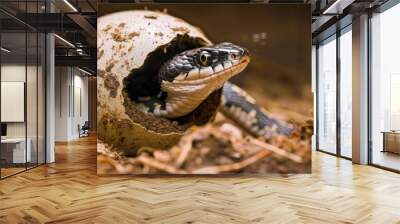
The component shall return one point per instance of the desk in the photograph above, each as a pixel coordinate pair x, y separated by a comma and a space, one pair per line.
13, 150
391, 141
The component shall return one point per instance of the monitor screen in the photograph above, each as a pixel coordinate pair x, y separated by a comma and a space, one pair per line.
3, 129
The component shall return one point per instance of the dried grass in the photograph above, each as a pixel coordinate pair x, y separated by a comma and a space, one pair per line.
217, 148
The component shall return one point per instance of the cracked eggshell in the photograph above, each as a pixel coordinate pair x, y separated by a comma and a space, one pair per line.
124, 39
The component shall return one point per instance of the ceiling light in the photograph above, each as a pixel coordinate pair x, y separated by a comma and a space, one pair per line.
84, 71
65, 41
338, 6
5, 50
79, 51
70, 5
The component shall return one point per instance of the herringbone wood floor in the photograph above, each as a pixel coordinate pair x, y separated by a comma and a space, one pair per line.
70, 192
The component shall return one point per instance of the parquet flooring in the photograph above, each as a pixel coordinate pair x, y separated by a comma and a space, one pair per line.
69, 191
10, 171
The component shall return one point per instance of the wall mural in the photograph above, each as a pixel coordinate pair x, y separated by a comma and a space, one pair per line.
204, 89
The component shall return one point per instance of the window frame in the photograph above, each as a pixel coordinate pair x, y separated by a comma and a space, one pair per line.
336, 35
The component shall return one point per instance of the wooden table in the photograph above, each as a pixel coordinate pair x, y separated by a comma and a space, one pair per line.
391, 141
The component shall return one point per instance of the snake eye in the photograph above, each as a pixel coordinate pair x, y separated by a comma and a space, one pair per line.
234, 56
204, 58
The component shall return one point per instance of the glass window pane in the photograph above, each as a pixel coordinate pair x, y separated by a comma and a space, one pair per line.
31, 97
22, 85
346, 94
385, 86
327, 96
13, 85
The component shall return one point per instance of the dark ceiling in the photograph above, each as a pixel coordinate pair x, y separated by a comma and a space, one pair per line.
75, 21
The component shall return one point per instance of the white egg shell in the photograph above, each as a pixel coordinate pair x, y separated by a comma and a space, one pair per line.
124, 39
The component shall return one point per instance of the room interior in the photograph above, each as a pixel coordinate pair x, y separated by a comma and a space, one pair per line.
334, 92
48, 94
22, 105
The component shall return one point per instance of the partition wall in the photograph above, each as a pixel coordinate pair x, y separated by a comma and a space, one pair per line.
22, 77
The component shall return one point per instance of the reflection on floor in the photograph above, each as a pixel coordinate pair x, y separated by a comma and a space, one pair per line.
10, 169
69, 191
387, 159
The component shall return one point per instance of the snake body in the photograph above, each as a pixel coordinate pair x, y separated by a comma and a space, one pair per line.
197, 78
242, 108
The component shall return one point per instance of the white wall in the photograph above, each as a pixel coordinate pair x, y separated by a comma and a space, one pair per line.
71, 102
16, 73
80, 96
61, 103
11, 73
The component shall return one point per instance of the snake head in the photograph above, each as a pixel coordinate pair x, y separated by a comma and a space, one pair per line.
191, 76
223, 60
